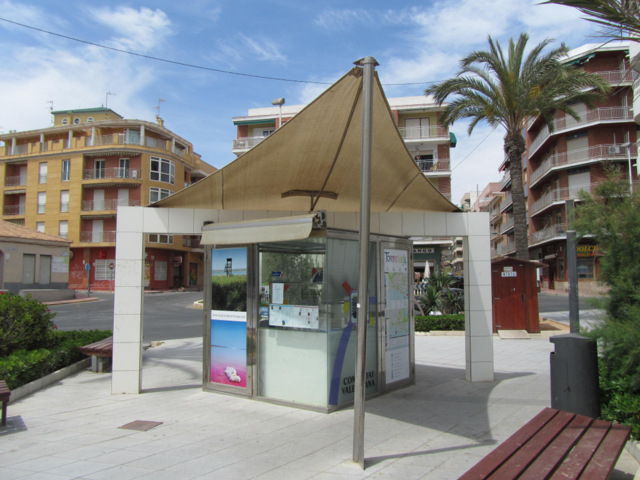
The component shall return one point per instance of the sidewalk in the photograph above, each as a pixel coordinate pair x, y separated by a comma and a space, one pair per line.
436, 429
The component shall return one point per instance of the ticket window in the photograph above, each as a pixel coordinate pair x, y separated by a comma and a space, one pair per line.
306, 333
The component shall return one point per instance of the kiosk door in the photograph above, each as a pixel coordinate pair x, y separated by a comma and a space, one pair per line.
228, 334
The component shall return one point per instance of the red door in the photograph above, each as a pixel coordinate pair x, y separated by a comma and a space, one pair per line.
508, 289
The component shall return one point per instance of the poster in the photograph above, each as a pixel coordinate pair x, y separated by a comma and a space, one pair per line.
397, 314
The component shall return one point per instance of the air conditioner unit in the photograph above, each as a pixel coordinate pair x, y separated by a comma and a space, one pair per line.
134, 174
613, 149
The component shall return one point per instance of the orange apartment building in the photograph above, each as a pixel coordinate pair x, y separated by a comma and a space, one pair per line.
69, 179
571, 157
427, 141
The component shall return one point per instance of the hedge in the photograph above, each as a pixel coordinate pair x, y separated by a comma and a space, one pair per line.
426, 323
24, 366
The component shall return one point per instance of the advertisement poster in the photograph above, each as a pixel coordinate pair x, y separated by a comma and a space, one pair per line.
397, 315
229, 317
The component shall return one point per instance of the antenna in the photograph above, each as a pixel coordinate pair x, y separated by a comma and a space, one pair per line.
106, 98
50, 102
157, 107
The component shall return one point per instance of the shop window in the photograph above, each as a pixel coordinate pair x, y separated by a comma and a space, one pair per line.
585, 268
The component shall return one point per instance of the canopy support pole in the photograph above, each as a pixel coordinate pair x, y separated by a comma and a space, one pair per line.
369, 64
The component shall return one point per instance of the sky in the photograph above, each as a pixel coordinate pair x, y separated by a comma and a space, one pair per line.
301, 47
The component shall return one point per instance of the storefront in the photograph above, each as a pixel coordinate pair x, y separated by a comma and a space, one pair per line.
283, 317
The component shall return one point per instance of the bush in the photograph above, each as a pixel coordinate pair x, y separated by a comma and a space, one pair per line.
426, 323
25, 324
24, 366
229, 294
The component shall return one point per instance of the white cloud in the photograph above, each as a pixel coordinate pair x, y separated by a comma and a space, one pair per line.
141, 29
341, 19
265, 49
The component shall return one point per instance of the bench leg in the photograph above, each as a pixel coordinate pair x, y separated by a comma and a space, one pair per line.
4, 414
100, 364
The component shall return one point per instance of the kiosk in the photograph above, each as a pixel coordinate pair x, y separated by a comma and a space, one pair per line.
283, 319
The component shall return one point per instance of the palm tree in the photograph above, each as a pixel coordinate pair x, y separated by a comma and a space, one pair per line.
620, 18
506, 91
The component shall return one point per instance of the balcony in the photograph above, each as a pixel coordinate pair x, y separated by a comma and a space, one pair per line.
115, 173
506, 179
434, 166
15, 181
617, 77
564, 124
246, 143
102, 205
558, 196
506, 249
507, 201
549, 233
507, 225
437, 133
13, 210
98, 237
594, 154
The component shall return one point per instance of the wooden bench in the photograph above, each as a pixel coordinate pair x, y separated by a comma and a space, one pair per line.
555, 444
5, 395
100, 353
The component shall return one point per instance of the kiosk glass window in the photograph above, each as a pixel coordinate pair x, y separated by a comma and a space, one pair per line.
306, 334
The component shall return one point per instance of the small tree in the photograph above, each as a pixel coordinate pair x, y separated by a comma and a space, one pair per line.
25, 323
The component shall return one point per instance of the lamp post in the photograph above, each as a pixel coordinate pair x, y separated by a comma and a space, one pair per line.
627, 145
279, 102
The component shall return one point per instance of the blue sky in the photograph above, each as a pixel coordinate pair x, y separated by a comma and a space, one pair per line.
310, 42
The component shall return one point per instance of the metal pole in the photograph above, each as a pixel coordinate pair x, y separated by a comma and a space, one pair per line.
368, 64
572, 266
630, 169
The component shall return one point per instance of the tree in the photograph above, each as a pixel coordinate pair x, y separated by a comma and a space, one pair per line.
506, 91
619, 18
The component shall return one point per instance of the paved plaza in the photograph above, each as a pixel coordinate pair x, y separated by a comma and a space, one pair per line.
436, 429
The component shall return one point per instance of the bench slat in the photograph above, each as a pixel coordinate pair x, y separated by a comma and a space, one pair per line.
600, 465
554, 454
101, 348
579, 457
502, 452
519, 462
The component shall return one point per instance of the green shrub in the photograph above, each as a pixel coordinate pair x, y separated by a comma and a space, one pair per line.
24, 366
426, 323
617, 402
25, 324
229, 294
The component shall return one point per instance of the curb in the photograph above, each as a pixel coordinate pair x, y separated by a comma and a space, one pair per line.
31, 387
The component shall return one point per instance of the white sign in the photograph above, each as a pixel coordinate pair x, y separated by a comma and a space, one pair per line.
509, 274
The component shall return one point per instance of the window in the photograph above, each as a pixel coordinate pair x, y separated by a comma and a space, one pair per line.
104, 270
64, 201
66, 170
63, 229
162, 170
42, 173
156, 194
160, 270
40, 227
90, 120
98, 168
123, 168
158, 238
76, 121
44, 271
42, 201
585, 268
65, 121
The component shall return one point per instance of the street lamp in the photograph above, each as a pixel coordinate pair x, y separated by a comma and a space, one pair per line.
627, 145
279, 102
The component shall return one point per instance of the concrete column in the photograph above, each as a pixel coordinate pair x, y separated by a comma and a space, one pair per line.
13, 145
142, 134
477, 299
93, 136
128, 302
70, 138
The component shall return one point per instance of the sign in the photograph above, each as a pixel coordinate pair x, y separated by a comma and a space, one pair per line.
87, 266
424, 250
111, 266
587, 250
509, 274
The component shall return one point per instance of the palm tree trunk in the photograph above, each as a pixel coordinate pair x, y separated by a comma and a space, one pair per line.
514, 148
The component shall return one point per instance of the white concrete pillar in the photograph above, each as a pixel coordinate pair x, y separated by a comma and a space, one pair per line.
128, 302
142, 134
70, 139
477, 299
93, 136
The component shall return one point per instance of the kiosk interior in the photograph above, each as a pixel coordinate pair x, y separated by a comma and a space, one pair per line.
283, 319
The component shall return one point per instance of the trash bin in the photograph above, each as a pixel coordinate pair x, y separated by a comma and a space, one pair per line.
574, 375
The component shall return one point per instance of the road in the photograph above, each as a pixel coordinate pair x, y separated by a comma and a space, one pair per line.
167, 315
556, 307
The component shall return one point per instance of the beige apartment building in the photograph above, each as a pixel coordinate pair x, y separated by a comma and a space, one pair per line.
69, 179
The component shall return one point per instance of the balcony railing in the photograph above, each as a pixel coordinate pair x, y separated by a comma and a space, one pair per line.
506, 249
507, 201
15, 181
505, 179
548, 233
190, 242
116, 172
246, 143
97, 237
507, 225
616, 77
13, 210
437, 132
102, 205
563, 124
430, 166
559, 195
591, 154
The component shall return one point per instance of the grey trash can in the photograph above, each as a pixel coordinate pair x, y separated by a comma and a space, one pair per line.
574, 375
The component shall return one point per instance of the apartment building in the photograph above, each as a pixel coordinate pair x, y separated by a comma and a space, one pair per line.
427, 141
571, 157
69, 179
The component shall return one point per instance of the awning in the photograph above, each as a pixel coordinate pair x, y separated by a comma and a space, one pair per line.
452, 139
257, 231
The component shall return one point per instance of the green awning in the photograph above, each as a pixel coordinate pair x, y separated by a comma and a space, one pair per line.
452, 139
